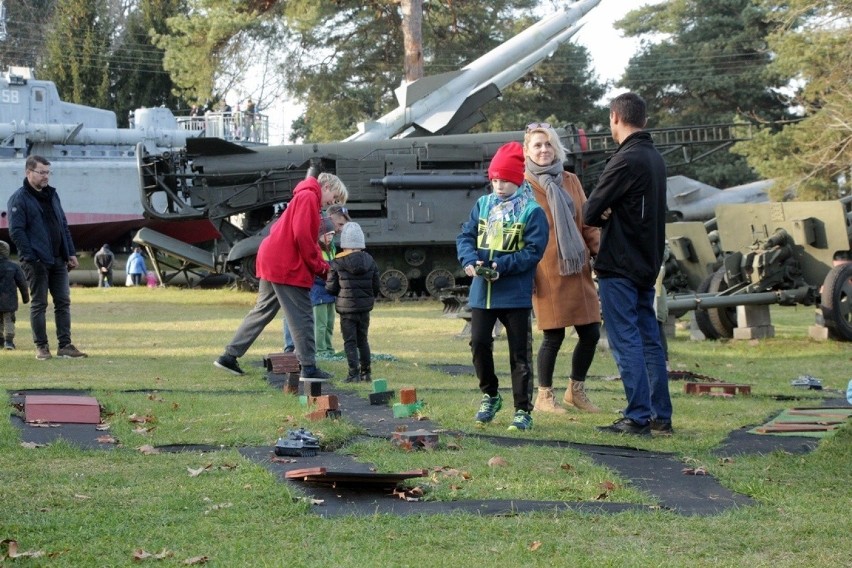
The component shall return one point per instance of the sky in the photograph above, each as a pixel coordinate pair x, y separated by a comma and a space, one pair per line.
609, 50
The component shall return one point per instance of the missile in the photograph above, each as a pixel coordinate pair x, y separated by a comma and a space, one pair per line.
432, 104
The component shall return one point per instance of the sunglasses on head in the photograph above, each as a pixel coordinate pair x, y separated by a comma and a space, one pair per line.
537, 125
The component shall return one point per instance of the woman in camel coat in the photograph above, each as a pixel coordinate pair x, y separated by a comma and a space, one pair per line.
564, 293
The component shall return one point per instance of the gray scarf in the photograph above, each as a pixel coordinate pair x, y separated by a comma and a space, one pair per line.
570, 246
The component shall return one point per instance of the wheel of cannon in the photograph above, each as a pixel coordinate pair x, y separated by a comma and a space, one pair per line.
702, 318
393, 284
835, 301
439, 280
249, 272
723, 320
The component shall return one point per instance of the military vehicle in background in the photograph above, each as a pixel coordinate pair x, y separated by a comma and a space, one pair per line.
412, 175
759, 254
691, 200
94, 162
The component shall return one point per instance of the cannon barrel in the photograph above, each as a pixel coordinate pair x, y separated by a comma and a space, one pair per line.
802, 295
432, 181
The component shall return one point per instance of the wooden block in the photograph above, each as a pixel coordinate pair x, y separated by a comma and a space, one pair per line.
324, 402
281, 363
381, 398
315, 415
407, 396
62, 409
729, 389
380, 385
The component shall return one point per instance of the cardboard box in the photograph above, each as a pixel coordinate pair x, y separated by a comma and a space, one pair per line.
62, 409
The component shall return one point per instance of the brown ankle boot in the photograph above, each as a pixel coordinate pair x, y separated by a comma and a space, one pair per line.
546, 402
575, 395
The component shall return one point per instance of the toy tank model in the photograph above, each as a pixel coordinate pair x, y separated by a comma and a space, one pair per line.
298, 443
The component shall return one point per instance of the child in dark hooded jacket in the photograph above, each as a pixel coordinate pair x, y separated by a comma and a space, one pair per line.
12, 280
354, 279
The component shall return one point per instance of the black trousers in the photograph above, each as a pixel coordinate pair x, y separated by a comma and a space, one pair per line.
588, 336
518, 332
354, 328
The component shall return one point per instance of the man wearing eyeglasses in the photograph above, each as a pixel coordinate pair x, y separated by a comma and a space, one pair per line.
39, 229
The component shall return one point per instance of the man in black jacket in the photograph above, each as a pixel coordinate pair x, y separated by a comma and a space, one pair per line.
354, 279
629, 204
38, 226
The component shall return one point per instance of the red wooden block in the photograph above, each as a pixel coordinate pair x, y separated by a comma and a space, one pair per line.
407, 396
62, 409
316, 415
324, 402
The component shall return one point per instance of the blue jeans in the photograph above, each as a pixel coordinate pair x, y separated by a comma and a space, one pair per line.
634, 339
42, 279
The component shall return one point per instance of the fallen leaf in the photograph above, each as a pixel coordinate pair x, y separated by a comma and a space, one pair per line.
106, 440
81, 497
136, 419
156, 398
140, 555
536, 544
143, 429
31, 445
148, 450
12, 550
608, 486
102, 427
401, 428
694, 471
175, 406
497, 461
567, 467
453, 446
196, 560
199, 471
276, 459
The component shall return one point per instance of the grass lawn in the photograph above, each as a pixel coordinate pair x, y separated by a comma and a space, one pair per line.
151, 354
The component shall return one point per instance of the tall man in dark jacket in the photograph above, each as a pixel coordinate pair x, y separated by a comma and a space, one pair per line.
39, 229
354, 279
629, 203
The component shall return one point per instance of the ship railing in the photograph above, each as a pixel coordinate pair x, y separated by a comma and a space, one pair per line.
240, 127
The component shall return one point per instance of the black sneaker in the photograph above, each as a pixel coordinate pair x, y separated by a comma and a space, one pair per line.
315, 373
352, 378
9, 345
661, 427
627, 426
229, 363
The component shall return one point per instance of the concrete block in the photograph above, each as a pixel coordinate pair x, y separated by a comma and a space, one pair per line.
381, 398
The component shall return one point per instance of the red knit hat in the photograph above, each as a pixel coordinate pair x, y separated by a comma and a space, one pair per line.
508, 163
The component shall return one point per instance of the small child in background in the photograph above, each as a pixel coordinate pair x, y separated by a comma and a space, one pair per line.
12, 280
354, 279
322, 301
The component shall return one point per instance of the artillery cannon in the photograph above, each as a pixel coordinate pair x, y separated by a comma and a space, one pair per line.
794, 253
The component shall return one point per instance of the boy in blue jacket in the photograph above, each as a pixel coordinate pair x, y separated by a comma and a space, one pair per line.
499, 247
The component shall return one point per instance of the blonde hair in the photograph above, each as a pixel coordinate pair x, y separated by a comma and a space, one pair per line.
333, 183
558, 148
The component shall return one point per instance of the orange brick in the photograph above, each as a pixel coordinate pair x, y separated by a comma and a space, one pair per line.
324, 402
315, 415
407, 396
